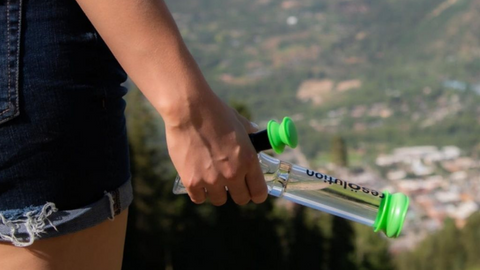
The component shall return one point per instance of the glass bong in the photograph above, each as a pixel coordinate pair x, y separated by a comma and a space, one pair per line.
381, 210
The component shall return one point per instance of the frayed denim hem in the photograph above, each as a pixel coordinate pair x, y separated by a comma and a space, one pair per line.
22, 227
33, 222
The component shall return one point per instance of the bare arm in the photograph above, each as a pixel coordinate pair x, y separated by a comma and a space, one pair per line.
207, 140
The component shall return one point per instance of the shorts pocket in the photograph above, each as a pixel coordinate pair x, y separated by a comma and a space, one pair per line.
10, 33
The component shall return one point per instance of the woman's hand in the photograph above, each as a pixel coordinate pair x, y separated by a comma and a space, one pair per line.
211, 150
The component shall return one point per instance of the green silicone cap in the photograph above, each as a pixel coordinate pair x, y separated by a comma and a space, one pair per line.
282, 134
391, 214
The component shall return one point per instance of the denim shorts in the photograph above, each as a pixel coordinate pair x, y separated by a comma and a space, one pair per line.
64, 160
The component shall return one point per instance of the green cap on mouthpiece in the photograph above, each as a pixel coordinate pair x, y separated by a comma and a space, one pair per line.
282, 134
391, 214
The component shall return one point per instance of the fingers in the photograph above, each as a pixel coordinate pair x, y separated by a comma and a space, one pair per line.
232, 164
217, 195
256, 183
253, 187
197, 195
199, 190
239, 191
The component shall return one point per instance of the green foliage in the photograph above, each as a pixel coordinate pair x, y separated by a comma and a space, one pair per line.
341, 248
471, 241
306, 247
149, 219
371, 250
397, 49
405, 55
450, 248
169, 232
339, 152
242, 109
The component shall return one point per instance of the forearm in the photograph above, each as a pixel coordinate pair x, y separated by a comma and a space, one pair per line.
145, 40
207, 140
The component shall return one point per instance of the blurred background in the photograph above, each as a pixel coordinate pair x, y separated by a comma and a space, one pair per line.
384, 93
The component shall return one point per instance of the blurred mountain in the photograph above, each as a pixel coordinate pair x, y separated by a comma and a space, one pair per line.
379, 73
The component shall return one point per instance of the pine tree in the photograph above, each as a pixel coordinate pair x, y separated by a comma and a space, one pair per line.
441, 250
451, 255
471, 241
306, 248
371, 250
341, 252
339, 152
152, 174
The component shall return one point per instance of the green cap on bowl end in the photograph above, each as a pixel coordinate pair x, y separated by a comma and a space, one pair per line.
391, 214
282, 134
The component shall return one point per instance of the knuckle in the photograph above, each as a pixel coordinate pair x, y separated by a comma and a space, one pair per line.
193, 183
230, 174
189, 185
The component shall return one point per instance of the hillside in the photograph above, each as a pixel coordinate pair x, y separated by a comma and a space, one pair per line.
380, 73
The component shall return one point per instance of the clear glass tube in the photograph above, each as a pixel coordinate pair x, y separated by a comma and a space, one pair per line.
316, 190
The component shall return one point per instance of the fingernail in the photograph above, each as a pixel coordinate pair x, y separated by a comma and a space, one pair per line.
255, 126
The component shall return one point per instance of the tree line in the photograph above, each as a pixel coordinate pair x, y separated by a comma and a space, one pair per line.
168, 231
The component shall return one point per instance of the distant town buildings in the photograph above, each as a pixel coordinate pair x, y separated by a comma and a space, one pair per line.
440, 182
